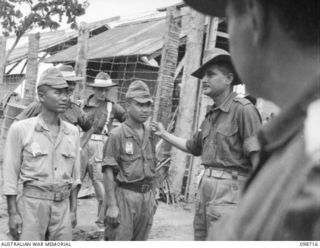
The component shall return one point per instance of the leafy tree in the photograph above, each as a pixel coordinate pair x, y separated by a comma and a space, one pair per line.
21, 16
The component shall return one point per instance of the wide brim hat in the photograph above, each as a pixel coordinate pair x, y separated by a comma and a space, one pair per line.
209, 7
216, 56
103, 80
68, 73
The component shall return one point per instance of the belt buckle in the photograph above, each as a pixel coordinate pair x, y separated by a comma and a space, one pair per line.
217, 173
58, 196
145, 188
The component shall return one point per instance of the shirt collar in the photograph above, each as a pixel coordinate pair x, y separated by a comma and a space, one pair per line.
280, 130
129, 131
41, 126
225, 105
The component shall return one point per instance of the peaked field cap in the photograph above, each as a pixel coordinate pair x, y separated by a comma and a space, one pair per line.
53, 77
68, 73
139, 91
209, 7
216, 56
103, 80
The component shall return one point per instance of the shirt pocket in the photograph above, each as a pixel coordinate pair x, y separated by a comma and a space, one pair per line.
34, 152
227, 137
68, 155
131, 166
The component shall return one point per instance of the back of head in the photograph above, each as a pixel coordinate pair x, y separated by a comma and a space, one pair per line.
298, 18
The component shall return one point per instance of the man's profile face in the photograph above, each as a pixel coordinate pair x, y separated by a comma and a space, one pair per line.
214, 81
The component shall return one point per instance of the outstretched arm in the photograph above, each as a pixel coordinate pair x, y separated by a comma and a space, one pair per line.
159, 130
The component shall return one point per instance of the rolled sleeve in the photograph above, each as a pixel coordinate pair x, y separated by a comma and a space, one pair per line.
12, 161
111, 152
83, 121
250, 123
119, 113
194, 145
77, 168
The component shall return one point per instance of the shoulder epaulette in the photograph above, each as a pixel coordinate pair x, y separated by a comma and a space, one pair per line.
242, 100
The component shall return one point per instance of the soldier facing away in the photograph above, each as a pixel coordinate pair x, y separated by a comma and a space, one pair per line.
43, 153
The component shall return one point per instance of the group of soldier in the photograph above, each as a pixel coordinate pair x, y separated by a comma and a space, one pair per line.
256, 183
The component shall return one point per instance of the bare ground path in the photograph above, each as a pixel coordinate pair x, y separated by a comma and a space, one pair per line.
170, 222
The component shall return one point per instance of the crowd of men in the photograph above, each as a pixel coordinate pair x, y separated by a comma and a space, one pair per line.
258, 183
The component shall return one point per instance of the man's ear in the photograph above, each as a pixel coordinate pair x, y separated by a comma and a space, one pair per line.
259, 21
230, 78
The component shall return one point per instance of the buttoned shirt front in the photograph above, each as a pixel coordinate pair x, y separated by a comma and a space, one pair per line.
227, 136
34, 158
133, 159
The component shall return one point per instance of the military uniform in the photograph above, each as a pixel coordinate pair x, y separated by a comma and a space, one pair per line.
48, 166
73, 114
93, 150
224, 141
282, 198
133, 161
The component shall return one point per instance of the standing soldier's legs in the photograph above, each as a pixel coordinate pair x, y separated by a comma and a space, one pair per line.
136, 216
35, 214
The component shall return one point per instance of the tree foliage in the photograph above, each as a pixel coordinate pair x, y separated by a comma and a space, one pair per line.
20, 16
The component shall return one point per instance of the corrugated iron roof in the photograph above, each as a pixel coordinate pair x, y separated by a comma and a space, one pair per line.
50, 39
139, 38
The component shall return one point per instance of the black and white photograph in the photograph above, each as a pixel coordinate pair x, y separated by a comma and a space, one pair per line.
160, 120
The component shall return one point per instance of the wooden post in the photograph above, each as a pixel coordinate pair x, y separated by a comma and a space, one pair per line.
3, 43
81, 60
32, 69
165, 83
205, 101
188, 98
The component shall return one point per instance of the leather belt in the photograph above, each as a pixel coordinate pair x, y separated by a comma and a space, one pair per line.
98, 137
139, 187
35, 192
224, 174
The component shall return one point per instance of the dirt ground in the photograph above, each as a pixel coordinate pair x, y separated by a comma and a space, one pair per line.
170, 222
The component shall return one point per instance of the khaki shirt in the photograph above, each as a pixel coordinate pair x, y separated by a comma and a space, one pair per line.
95, 112
282, 198
227, 136
32, 157
132, 159
73, 114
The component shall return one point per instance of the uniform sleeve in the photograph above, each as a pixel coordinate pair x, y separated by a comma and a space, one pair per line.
76, 173
194, 145
32, 110
249, 125
83, 120
111, 152
119, 112
12, 161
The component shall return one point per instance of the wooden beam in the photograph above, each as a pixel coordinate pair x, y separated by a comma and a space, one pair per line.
3, 44
178, 6
32, 69
165, 82
188, 97
81, 60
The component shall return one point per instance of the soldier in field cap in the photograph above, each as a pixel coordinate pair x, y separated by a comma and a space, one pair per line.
101, 112
73, 114
275, 49
225, 141
43, 153
128, 165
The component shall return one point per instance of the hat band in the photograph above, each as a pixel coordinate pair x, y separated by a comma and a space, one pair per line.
107, 82
68, 73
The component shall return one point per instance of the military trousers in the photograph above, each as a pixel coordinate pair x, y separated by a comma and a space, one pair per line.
45, 219
136, 216
216, 201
